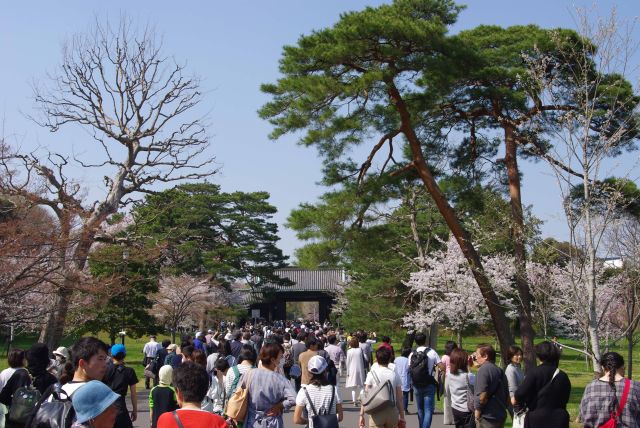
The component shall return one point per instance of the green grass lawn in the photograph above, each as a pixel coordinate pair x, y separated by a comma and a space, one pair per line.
572, 362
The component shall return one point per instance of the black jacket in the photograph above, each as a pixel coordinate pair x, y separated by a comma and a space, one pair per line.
547, 407
17, 380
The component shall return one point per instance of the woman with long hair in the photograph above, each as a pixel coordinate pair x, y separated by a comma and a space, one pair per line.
603, 397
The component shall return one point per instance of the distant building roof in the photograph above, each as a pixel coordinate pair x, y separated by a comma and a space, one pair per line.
304, 281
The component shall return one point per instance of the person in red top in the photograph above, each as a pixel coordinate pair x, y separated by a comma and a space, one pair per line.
386, 343
191, 383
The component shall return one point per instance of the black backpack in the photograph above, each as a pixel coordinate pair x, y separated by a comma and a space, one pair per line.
419, 369
57, 413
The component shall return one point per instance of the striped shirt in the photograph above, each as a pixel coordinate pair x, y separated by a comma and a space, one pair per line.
320, 397
597, 404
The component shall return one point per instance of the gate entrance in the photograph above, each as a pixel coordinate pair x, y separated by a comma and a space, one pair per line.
310, 297
303, 311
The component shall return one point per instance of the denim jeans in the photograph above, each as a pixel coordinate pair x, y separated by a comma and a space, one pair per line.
405, 400
425, 401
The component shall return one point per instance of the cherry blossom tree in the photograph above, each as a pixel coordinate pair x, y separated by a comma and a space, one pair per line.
447, 292
182, 300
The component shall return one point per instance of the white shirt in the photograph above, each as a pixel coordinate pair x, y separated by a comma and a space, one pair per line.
150, 349
321, 398
384, 374
5, 375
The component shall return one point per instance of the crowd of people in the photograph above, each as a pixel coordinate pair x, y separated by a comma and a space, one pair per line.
248, 377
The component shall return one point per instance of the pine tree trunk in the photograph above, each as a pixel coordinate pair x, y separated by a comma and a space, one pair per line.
517, 227
497, 311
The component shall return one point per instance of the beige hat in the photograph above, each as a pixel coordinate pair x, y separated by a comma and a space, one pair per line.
63, 352
172, 347
164, 376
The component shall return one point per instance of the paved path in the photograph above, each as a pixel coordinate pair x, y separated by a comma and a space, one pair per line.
350, 414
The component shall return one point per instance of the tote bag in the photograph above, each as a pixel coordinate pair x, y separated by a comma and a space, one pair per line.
378, 398
239, 402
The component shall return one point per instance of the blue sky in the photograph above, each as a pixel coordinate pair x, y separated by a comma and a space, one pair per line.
234, 46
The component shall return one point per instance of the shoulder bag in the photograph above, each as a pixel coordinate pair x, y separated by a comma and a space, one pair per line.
381, 397
470, 396
615, 416
324, 419
239, 402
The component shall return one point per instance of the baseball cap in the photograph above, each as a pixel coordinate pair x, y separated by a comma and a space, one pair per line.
317, 364
118, 348
92, 399
172, 347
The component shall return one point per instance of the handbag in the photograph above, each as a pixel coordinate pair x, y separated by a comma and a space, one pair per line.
295, 371
470, 396
382, 397
325, 419
520, 416
239, 402
612, 422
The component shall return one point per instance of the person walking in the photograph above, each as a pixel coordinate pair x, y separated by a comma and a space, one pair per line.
319, 397
612, 394
312, 350
62, 356
12, 378
297, 349
94, 406
269, 392
491, 390
365, 346
545, 390
247, 361
172, 356
402, 368
149, 352
37, 364
389, 417
458, 381
162, 398
355, 369
119, 378
336, 354
191, 383
422, 365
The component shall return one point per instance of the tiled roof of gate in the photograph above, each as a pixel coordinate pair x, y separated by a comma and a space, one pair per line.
317, 280
323, 280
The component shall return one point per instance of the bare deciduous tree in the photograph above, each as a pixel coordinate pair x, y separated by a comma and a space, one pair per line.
138, 106
601, 125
